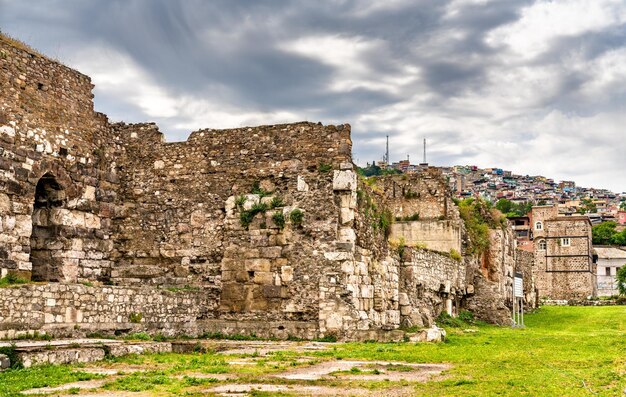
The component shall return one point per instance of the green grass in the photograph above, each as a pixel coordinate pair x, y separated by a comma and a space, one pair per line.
563, 351
14, 381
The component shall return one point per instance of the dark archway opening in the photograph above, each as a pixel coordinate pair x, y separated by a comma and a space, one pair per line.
45, 241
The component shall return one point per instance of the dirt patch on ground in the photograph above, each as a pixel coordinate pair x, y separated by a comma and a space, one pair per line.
83, 385
299, 390
366, 370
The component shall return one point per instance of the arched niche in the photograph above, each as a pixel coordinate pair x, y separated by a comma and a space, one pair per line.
47, 243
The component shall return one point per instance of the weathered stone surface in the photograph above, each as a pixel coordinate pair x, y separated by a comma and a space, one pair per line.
5, 362
235, 228
432, 334
344, 180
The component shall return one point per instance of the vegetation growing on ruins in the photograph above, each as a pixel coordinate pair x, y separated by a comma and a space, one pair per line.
277, 201
379, 219
374, 170
296, 217
324, 167
456, 255
279, 219
257, 189
135, 317
409, 218
11, 279
479, 217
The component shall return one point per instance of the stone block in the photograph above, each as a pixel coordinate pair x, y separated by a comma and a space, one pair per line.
337, 255
251, 200
403, 298
272, 291
302, 186
433, 334
264, 278
89, 193
348, 200
346, 215
5, 204
257, 265
346, 166
5, 362
286, 274
347, 235
344, 180
270, 252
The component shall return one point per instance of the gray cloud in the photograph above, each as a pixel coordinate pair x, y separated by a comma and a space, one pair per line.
487, 82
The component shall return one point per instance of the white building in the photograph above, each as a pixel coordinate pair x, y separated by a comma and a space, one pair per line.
610, 259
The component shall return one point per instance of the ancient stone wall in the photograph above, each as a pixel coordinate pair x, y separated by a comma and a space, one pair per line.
265, 230
437, 235
491, 277
217, 210
430, 284
58, 178
524, 264
78, 310
423, 195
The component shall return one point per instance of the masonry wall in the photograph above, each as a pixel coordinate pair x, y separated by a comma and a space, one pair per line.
48, 127
491, 276
431, 283
265, 230
184, 202
525, 264
562, 271
437, 235
77, 310
424, 194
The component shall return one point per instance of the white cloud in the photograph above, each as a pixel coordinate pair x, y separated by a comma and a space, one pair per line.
349, 57
546, 20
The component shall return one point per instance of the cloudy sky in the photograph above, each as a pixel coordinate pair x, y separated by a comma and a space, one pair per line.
537, 87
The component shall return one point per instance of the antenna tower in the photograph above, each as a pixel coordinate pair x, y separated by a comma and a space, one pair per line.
386, 159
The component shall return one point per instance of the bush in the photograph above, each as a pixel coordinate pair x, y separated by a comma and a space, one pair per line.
240, 201
246, 217
279, 219
478, 218
277, 202
296, 217
11, 279
456, 255
256, 189
324, 168
135, 317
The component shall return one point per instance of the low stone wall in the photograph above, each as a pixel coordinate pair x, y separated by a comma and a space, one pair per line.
75, 309
575, 302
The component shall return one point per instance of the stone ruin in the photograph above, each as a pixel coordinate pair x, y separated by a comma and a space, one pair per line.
266, 230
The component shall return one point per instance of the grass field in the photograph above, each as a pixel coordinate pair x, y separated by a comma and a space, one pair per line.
563, 351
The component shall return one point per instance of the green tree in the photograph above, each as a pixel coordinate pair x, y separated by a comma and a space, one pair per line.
511, 209
619, 238
603, 233
505, 206
621, 280
587, 205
